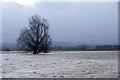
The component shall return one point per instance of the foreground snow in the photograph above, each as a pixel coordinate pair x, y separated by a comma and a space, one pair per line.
65, 64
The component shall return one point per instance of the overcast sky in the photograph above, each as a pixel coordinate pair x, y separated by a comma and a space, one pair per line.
86, 22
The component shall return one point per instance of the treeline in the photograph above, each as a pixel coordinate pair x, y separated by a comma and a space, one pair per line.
80, 47
85, 47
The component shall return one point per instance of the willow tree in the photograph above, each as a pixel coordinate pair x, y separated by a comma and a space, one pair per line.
35, 38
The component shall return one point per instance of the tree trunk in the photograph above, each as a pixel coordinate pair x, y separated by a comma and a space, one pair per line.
35, 51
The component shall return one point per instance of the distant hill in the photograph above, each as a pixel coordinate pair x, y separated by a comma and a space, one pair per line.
56, 43
9, 45
63, 44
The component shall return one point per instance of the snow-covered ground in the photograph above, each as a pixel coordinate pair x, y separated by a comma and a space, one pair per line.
57, 64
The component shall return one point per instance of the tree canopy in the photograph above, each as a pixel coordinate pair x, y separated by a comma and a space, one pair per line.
35, 38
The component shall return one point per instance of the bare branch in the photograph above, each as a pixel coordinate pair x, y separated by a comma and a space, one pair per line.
35, 38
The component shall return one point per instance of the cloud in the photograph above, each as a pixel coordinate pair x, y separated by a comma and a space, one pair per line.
24, 1
53, 6
11, 5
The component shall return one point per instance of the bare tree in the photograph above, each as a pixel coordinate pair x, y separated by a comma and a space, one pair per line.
35, 38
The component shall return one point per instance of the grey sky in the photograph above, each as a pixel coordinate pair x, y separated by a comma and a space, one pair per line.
88, 22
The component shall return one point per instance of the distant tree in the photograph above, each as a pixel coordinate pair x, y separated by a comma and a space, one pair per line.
35, 38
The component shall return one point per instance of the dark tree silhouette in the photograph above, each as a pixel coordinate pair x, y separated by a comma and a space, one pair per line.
35, 38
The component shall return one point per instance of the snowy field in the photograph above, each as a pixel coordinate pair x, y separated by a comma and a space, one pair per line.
57, 64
